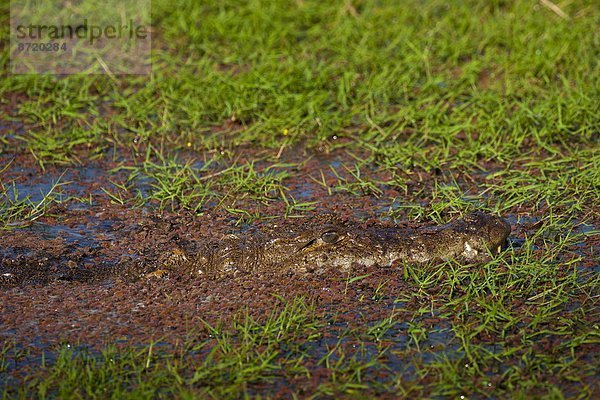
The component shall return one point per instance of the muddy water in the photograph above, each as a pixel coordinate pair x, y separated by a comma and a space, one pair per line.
67, 286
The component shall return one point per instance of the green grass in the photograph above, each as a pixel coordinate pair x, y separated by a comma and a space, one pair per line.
217, 363
419, 75
418, 97
433, 86
18, 211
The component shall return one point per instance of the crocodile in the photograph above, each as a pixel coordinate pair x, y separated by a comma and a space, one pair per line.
475, 238
313, 247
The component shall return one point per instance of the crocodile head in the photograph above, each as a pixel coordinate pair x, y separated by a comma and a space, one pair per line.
340, 245
475, 238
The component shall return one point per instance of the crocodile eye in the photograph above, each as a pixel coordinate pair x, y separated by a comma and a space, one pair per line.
330, 237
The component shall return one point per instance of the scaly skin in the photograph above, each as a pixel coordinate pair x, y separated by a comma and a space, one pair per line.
472, 239
315, 247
